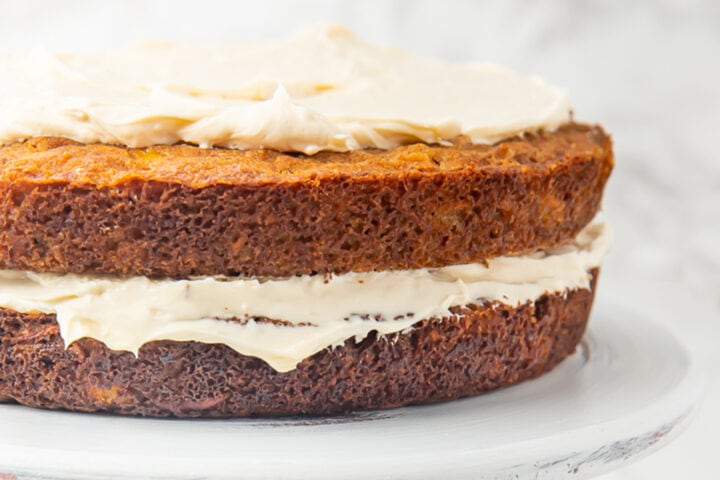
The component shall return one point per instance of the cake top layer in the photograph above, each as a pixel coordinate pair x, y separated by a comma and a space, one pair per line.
321, 90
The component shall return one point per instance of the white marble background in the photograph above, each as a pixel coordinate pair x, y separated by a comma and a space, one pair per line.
649, 71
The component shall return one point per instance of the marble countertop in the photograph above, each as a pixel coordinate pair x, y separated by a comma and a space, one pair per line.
647, 70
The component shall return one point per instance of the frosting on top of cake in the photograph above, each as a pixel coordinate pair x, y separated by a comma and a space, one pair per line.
323, 89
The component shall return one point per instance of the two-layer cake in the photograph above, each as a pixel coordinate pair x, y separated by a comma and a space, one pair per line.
311, 226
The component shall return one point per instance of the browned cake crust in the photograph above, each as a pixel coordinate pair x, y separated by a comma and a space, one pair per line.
180, 210
483, 348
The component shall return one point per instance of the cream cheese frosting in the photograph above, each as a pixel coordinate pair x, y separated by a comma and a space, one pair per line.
321, 90
126, 313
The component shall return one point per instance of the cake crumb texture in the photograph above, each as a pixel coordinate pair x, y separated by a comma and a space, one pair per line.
179, 211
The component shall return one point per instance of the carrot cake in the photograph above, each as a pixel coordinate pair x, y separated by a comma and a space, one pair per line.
309, 226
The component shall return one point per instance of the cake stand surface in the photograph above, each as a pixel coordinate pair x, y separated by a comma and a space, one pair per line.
628, 390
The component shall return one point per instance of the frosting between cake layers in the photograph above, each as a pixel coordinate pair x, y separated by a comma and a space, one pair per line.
126, 313
321, 90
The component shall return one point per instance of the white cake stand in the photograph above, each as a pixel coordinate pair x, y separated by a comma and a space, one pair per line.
628, 391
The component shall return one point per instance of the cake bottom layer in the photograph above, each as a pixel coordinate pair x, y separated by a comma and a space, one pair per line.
481, 348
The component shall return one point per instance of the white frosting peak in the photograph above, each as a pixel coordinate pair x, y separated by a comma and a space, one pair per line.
322, 90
